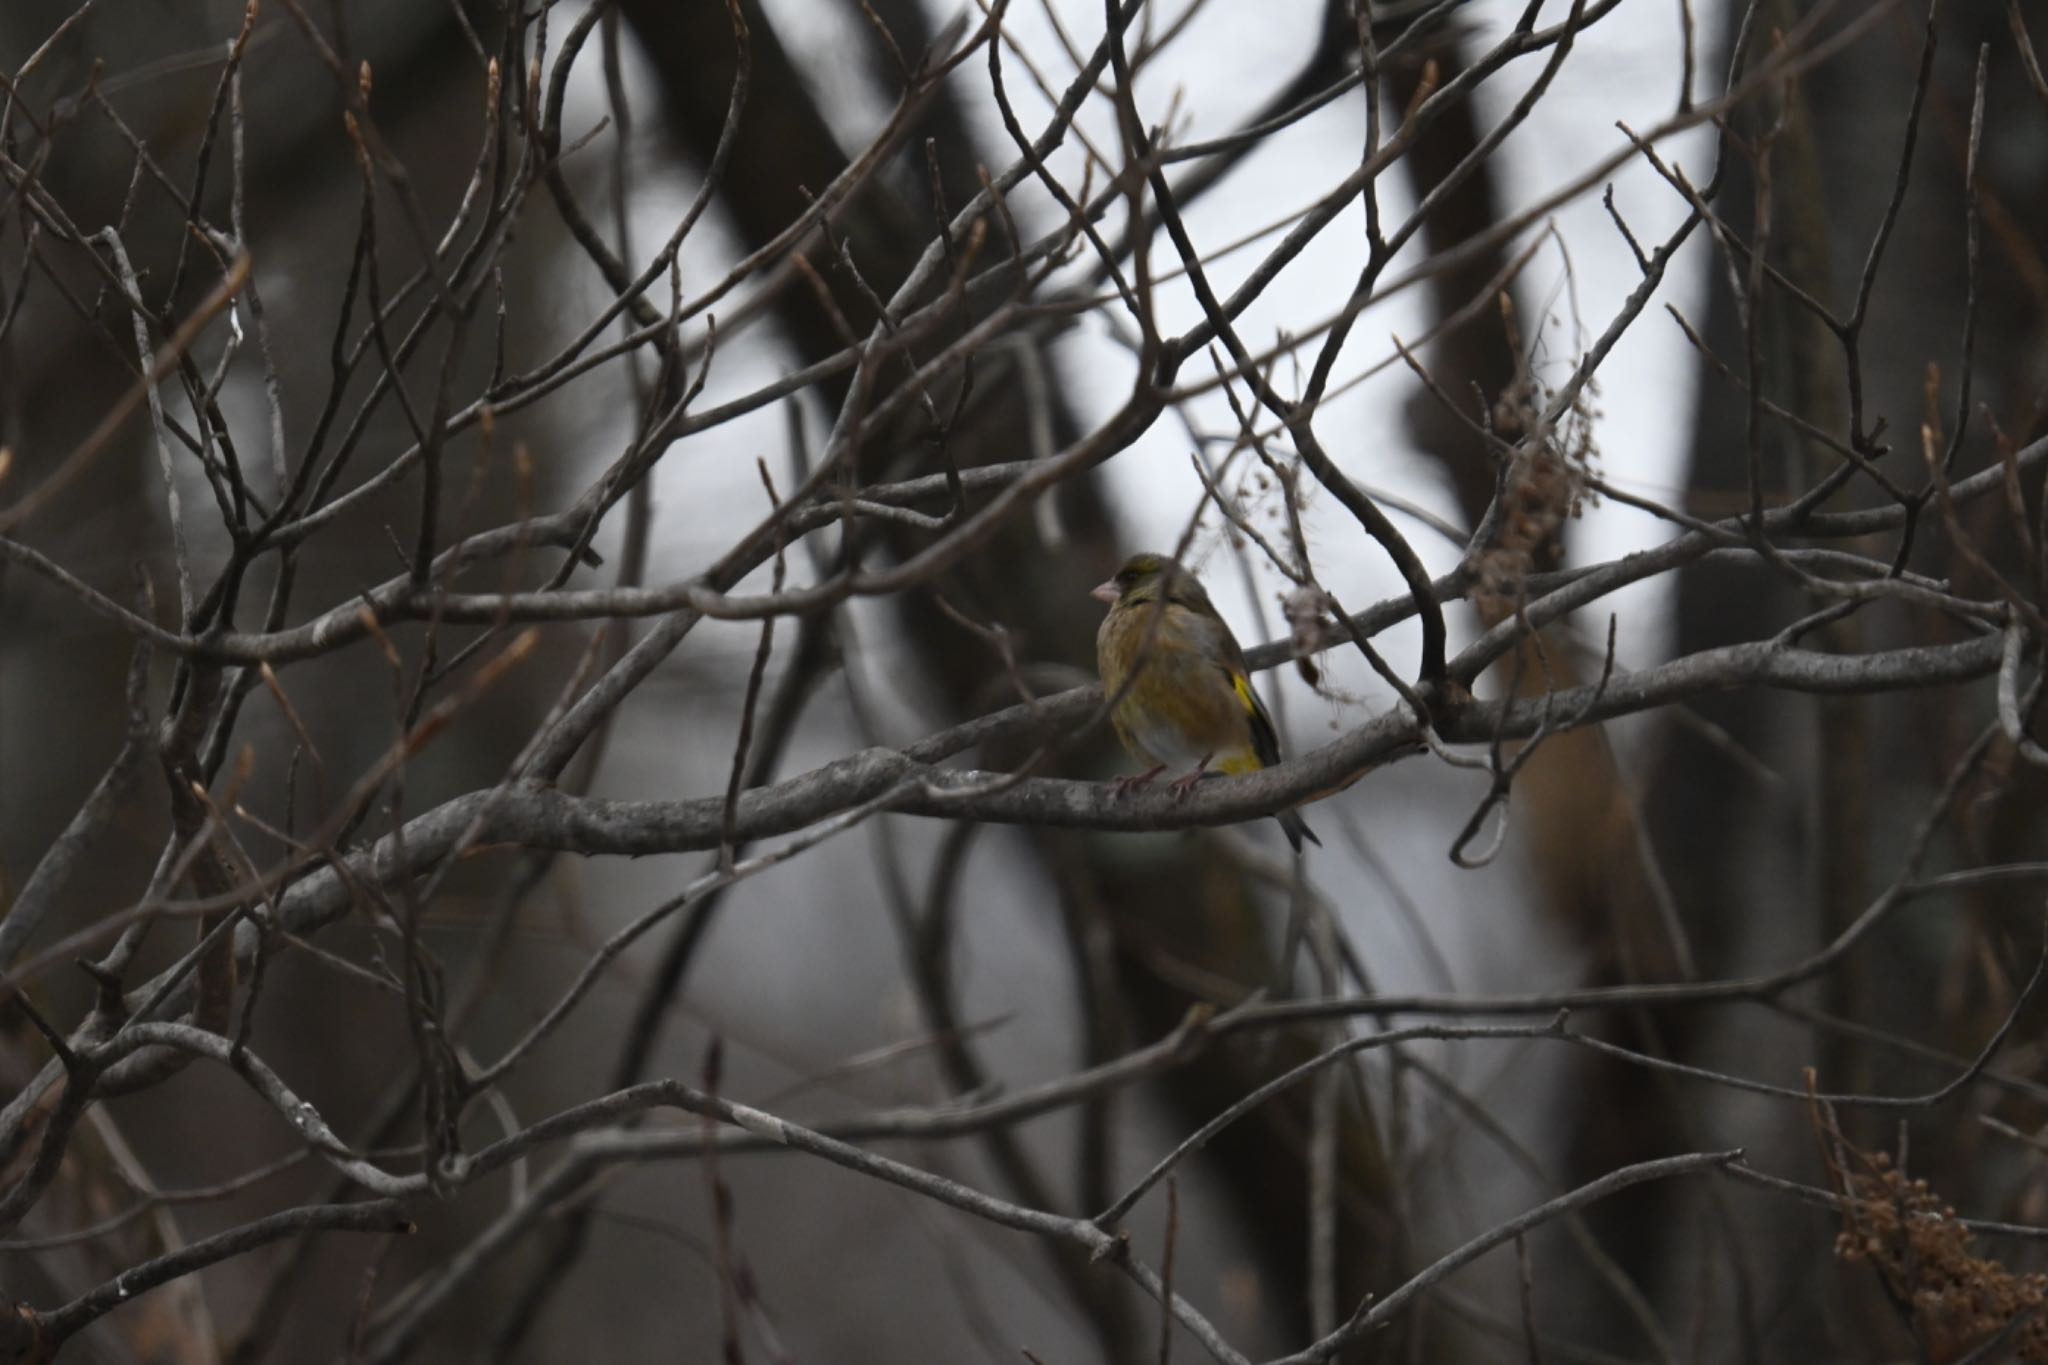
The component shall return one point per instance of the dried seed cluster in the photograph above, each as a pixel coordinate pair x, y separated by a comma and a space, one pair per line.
1546, 486
1955, 1300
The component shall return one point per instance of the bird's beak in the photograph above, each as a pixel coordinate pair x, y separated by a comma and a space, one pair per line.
1105, 592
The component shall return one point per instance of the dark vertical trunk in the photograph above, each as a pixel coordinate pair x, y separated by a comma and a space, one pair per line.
1762, 875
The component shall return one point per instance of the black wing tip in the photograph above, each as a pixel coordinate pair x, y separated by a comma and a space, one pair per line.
1297, 829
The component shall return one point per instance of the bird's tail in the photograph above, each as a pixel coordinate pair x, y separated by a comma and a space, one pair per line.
1297, 829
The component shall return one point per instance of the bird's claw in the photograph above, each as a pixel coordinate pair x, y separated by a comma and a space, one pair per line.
1185, 783
1126, 785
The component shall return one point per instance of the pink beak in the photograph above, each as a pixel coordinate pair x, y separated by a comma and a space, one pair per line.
1105, 592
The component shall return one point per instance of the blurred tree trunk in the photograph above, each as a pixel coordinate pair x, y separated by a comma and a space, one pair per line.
61, 669
1578, 828
1764, 872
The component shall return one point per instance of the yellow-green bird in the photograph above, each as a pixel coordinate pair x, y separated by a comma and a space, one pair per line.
1191, 701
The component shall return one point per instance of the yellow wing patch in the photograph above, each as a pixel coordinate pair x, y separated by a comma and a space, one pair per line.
1244, 692
1265, 743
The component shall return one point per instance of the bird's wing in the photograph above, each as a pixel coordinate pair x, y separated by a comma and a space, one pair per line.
1265, 739
1222, 648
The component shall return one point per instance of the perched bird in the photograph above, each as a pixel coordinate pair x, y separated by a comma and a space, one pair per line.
1191, 701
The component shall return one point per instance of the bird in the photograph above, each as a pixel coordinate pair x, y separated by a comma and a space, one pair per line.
1191, 701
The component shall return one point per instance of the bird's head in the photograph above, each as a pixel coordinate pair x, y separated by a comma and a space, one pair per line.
1142, 578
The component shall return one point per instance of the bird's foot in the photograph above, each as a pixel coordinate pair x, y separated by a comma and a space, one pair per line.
1185, 783
1126, 785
